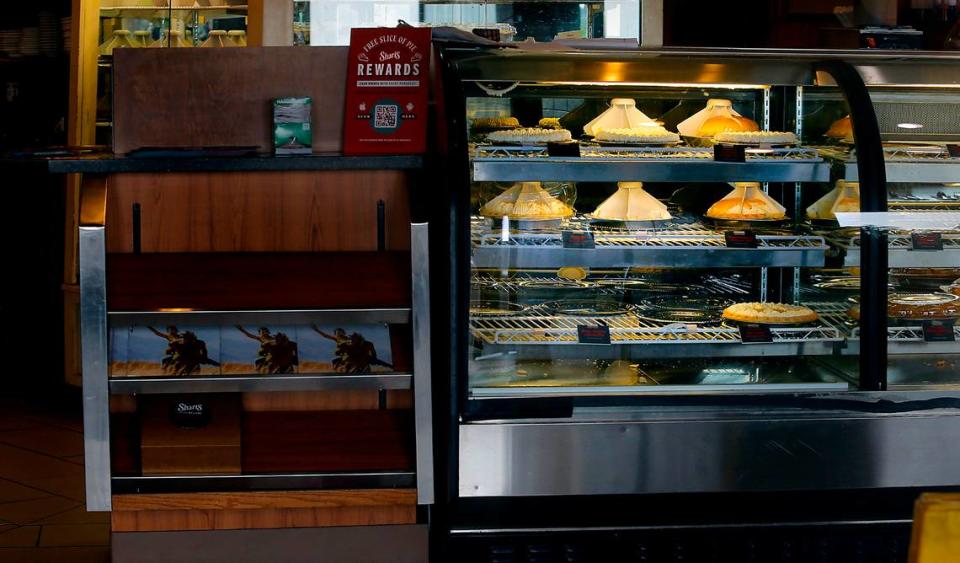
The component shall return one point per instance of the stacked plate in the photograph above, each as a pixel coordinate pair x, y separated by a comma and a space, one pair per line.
10, 42
65, 29
30, 42
49, 37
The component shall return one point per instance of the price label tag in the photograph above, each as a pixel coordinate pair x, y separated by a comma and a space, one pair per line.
578, 239
593, 334
565, 148
729, 153
939, 331
927, 241
754, 333
740, 239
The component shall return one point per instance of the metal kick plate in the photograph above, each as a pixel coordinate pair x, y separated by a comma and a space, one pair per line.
701, 455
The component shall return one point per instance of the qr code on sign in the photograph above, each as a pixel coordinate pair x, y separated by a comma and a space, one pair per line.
385, 117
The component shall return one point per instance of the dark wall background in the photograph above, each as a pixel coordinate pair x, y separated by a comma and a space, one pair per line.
799, 24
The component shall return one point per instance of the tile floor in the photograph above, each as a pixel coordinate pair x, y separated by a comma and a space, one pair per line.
42, 516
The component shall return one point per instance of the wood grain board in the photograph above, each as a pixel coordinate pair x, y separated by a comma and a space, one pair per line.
211, 449
295, 211
321, 441
333, 400
223, 97
263, 509
243, 500
215, 281
193, 519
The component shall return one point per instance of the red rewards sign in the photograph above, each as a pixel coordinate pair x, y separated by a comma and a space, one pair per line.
387, 77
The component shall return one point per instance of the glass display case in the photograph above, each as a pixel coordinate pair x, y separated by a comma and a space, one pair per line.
632, 261
125, 24
653, 249
324, 22
919, 130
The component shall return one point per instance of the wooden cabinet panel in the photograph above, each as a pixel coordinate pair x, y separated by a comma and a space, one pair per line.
320, 441
258, 211
223, 97
193, 519
257, 281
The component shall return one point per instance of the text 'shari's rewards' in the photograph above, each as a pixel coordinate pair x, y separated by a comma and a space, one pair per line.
387, 94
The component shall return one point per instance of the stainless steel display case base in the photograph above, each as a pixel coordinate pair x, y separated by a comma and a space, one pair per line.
370, 544
690, 452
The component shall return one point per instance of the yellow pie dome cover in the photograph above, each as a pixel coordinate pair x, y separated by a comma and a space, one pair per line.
844, 197
527, 201
747, 202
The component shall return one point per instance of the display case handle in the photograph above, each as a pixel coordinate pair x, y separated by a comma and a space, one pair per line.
872, 172
422, 384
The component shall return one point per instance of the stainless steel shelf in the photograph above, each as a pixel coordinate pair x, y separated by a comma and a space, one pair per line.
917, 164
900, 252
345, 316
240, 384
537, 335
677, 245
646, 390
510, 164
263, 482
903, 340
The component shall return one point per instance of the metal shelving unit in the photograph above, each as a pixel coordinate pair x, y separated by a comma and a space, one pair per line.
902, 255
653, 164
538, 334
680, 244
907, 164
902, 340
241, 384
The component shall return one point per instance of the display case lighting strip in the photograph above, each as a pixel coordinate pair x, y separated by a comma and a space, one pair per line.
619, 84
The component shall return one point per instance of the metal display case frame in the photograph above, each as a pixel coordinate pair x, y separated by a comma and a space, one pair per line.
514, 452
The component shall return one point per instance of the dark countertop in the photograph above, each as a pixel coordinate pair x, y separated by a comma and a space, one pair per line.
112, 164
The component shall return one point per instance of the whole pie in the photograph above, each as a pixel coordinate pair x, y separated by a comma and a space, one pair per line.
529, 136
769, 313
920, 306
757, 137
550, 123
642, 134
490, 123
